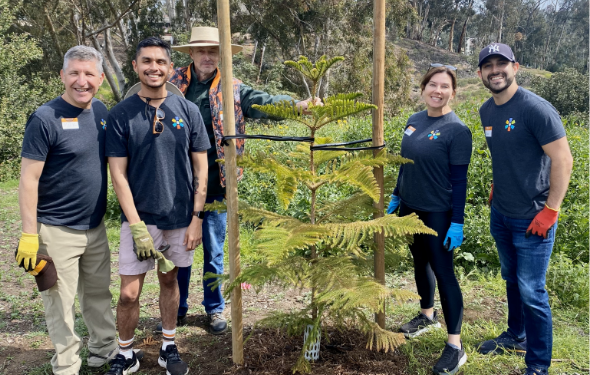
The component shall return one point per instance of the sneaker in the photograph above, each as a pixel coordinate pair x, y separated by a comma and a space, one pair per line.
505, 343
95, 360
450, 360
535, 371
420, 324
217, 323
181, 321
123, 366
170, 360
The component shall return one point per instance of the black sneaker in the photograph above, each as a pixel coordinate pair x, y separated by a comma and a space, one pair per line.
170, 360
420, 324
505, 343
450, 360
535, 371
123, 366
181, 321
217, 323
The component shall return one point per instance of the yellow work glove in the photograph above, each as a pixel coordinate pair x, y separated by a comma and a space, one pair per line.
165, 265
26, 252
143, 242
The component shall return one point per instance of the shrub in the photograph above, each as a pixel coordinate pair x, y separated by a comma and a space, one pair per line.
568, 282
567, 91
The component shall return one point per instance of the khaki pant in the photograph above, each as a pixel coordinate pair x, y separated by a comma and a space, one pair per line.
82, 260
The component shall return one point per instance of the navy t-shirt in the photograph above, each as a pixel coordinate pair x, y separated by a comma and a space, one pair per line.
73, 184
159, 166
433, 143
515, 132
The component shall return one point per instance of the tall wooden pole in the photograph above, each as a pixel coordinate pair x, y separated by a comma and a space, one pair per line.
378, 93
229, 128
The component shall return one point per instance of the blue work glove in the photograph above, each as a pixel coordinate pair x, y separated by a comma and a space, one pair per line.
393, 205
454, 237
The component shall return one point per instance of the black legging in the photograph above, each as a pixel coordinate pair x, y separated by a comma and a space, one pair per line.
432, 260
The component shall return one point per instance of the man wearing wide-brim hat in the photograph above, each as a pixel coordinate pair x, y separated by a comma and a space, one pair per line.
200, 82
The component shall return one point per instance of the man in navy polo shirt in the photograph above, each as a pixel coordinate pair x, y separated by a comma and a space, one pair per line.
62, 198
531, 164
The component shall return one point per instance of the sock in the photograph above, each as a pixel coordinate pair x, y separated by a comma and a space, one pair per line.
126, 347
168, 336
431, 316
453, 346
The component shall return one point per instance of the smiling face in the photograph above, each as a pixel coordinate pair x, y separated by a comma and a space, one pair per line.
206, 61
437, 93
81, 79
497, 73
153, 66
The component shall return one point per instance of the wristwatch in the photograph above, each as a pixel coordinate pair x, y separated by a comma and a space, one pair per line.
199, 214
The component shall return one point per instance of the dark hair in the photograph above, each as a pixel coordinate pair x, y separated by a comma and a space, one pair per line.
153, 41
428, 76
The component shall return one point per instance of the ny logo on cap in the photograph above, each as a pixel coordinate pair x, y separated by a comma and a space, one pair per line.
493, 48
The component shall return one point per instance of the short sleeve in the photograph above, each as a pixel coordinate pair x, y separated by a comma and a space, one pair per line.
116, 136
461, 147
37, 139
545, 124
199, 140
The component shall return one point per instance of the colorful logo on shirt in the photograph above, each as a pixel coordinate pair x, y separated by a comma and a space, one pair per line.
510, 124
434, 134
177, 122
103, 123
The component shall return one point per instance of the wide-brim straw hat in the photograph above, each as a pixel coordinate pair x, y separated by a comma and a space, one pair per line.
204, 37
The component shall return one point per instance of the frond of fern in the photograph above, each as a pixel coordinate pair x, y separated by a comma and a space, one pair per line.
342, 96
277, 242
255, 216
350, 235
357, 175
285, 110
338, 110
345, 210
382, 339
311, 71
286, 178
216, 206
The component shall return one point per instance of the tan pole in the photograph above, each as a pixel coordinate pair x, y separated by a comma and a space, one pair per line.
378, 92
229, 128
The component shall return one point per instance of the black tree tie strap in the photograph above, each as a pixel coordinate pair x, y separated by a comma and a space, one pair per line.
336, 146
267, 137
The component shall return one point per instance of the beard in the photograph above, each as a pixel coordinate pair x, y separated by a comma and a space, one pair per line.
508, 82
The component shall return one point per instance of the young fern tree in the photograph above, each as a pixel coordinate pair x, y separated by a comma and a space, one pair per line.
328, 252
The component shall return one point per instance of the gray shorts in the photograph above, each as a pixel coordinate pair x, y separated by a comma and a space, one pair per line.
130, 265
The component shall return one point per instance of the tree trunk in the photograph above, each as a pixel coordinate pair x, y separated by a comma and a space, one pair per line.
119, 24
75, 19
451, 36
261, 61
107, 69
254, 53
113, 60
462, 36
501, 23
53, 33
424, 22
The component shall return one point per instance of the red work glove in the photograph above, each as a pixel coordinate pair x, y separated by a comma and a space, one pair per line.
491, 195
542, 222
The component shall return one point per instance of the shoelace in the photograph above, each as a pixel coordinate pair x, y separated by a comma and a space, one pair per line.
118, 363
447, 354
172, 355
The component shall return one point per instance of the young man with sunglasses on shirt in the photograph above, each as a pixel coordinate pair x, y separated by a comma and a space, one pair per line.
157, 148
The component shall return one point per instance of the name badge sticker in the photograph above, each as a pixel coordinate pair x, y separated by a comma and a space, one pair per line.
488, 130
410, 130
69, 123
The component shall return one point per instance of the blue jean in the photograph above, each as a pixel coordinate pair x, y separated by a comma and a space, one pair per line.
524, 264
214, 226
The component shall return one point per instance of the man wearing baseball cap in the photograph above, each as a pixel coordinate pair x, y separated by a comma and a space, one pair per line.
62, 198
200, 82
531, 165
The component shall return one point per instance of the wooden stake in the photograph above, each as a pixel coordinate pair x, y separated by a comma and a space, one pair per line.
231, 179
378, 93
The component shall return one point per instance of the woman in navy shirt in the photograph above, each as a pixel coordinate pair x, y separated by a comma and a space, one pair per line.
434, 187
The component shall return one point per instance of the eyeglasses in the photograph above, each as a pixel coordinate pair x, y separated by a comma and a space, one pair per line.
158, 126
438, 65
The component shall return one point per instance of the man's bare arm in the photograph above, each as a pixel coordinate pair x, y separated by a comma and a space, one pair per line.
561, 170
28, 193
118, 168
194, 233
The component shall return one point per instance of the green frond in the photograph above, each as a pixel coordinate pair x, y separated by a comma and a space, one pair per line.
342, 96
402, 295
216, 206
276, 242
284, 110
346, 210
359, 176
382, 339
257, 215
337, 110
350, 235
313, 71
286, 178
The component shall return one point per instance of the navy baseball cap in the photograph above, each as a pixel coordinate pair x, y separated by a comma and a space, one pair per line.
496, 49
